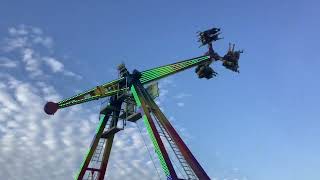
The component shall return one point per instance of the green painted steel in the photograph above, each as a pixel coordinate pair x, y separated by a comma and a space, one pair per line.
156, 146
135, 95
151, 134
102, 116
163, 71
73, 102
100, 122
90, 90
146, 77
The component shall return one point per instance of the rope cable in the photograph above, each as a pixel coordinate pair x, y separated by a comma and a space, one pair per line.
172, 151
148, 151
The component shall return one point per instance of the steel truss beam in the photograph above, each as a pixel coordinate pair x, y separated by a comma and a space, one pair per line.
112, 110
144, 100
138, 92
113, 88
189, 157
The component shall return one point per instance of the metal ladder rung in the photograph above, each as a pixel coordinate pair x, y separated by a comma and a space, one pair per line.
189, 172
185, 163
98, 151
180, 157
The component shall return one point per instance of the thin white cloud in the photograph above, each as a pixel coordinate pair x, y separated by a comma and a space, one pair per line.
24, 33
8, 63
15, 43
35, 140
180, 104
37, 30
32, 62
30, 43
72, 74
164, 86
164, 97
55, 65
37, 146
45, 41
182, 95
21, 30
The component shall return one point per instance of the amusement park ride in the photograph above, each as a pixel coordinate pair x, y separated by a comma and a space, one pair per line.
131, 97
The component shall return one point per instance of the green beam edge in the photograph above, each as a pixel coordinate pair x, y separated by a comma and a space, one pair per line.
89, 98
135, 95
158, 69
171, 66
108, 83
147, 74
156, 73
147, 78
155, 143
156, 146
81, 166
187, 61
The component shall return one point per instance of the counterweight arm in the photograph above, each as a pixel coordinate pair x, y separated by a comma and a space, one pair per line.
104, 90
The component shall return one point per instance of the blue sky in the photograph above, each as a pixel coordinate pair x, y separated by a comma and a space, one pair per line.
260, 124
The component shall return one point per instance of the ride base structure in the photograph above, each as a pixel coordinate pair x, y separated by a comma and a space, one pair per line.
130, 98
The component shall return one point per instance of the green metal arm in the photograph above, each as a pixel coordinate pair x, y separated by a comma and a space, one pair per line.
104, 90
90, 98
112, 88
164, 71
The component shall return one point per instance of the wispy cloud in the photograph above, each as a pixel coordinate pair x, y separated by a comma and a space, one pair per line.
165, 95
30, 141
182, 95
14, 43
8, 63
26, 41
55, 65
36, 146
180, 104
45, 41
20, 31
72, 74
32, 62
24, 33
164, 86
